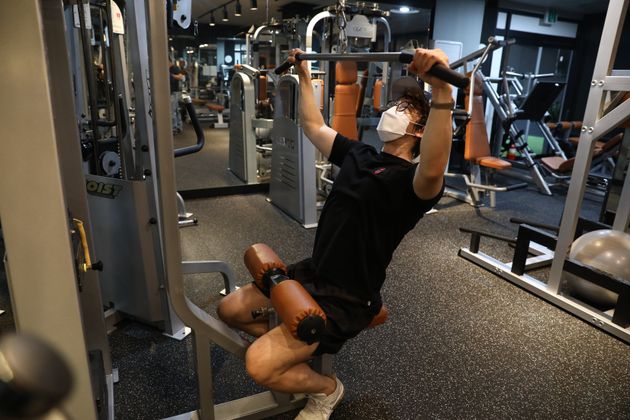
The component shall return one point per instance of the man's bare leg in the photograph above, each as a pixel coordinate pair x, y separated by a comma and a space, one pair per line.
278, 361
235, 309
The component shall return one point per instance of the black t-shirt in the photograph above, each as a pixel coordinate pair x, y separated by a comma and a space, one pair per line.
370, 209
175, 87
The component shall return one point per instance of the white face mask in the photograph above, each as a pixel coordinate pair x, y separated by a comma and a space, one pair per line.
393, 125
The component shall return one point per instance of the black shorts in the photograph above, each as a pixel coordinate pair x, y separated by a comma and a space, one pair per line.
346, 315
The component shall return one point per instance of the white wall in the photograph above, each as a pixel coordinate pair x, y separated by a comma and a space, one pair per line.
534, 25
459, 20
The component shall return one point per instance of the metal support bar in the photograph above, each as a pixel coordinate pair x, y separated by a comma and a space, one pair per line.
622, 310
622, 217
122, 132
41, 272
507, 239
606, 55
438, 70
527, 234
600, 278
596, 123
541, 290
495, 188
197, 267
615, 83
492, 43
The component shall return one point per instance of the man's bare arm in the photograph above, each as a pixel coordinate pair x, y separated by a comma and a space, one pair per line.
311, 118
436, 143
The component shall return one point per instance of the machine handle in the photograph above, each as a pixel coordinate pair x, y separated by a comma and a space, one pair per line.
284, 66
441, 72
201, 140
438, 70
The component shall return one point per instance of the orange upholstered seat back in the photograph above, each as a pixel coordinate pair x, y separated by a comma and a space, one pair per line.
344, 120
378, 90
476, 144
626, 123
361, 97
262, 87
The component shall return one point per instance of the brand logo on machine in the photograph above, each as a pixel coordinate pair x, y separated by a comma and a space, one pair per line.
286, 142
360, 27
102, 189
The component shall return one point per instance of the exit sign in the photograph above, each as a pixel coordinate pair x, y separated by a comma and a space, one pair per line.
551, 17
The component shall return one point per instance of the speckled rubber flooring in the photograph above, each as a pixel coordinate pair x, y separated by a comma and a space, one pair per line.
460, 342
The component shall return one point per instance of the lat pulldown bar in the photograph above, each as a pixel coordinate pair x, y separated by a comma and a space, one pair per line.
441, 72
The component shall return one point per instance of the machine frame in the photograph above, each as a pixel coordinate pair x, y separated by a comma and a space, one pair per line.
597, 123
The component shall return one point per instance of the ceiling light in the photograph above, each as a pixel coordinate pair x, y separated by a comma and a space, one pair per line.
237, 8
254, 5
225, 14
404, 10
212, 22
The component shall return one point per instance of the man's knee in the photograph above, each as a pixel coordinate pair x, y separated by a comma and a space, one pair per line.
229, 310
258, 366
236, 308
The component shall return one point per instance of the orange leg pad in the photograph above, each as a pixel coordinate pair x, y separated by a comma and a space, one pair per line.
380, 317
298, 310
260, 258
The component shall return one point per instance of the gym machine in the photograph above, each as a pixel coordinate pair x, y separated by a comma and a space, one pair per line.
599, 119
616, 184
250, 124
355, 26
439, 71
50, 297
251, 113
532, 108
292, 186
281, 36
55, 294
374, 92
120, 180
184, 217
293, 174
470, 125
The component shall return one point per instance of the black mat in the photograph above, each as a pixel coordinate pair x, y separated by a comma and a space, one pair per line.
209, 167
460, 342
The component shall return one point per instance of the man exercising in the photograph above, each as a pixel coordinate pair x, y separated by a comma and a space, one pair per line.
376, 199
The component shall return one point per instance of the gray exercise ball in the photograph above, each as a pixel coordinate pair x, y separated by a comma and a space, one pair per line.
605, 250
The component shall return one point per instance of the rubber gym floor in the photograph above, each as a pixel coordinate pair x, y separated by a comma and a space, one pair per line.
460, 342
